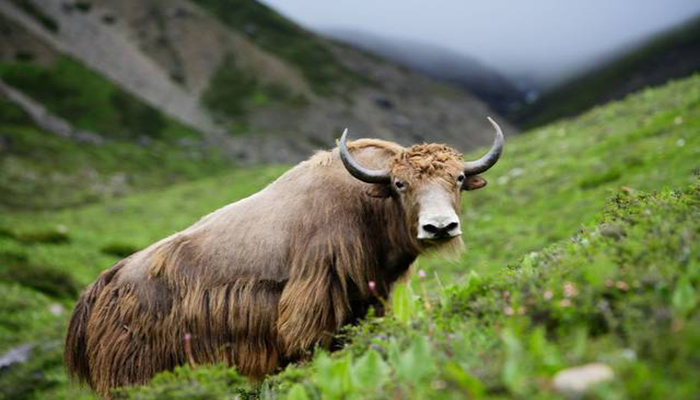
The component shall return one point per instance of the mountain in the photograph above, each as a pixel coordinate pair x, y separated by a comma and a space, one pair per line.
234, 74
670, 55
442, 64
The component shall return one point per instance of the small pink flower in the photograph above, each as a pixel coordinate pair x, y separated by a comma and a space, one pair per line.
421, 274
188, 337
570, 290
622, 285
372, 285
508, 310
548, 294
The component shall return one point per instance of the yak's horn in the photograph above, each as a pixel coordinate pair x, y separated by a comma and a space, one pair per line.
358, 171
489, 159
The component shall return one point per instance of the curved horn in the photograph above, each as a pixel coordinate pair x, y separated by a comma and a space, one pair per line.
358, 171
489, 159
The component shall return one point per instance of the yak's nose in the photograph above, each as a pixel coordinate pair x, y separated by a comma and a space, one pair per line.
439, 227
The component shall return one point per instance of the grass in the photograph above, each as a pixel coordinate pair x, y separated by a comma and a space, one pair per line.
581, 249
276, 34
89, 101
141, 148
41, 171
233, 91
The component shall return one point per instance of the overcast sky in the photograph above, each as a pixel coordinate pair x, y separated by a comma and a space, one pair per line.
538, 39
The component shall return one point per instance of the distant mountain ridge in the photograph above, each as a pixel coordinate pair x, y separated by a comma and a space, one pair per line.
440, 63
669, 55
253, 84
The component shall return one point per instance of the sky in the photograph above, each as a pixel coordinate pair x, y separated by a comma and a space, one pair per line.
539, 40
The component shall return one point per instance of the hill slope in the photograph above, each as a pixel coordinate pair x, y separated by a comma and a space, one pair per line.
252, 83
442, 64
551, 277
670, 55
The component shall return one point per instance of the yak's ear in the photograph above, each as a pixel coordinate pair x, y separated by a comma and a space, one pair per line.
473, 182
379, 191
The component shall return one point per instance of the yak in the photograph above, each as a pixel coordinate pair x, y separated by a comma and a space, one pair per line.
260, 282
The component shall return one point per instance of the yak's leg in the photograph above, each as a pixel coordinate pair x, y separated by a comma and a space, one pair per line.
312, 307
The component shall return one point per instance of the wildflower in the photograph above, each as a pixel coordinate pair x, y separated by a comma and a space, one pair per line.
570, 290
622, 285
508, 310
421, 274
548, 294
372, 286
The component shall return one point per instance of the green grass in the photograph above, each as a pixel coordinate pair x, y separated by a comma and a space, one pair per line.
42, 171
233, 91
278, 35
647, 63
582, 248
141, 149
89, 101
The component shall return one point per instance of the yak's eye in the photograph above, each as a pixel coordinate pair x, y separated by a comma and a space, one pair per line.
400, 186
460, 178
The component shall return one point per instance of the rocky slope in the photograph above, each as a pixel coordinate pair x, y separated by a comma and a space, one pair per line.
252, 83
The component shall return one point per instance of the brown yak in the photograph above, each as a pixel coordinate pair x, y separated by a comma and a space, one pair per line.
260, 282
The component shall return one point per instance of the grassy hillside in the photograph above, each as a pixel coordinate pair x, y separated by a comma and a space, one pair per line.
581, 249
138, 147
274, 33
673, 54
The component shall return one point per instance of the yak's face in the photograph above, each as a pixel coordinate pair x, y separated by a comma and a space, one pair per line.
428, 180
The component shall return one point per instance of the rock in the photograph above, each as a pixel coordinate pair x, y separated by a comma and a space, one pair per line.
577, 380
612, 231
56, 309
16, 355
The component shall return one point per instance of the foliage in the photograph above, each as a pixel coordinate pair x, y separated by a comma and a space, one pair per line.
89, 101
185, 382
39, 170
233, 91
561, 268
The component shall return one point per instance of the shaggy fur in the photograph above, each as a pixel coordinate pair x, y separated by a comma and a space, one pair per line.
261, 281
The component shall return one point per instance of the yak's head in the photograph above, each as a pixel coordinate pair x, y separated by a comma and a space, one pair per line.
427, 180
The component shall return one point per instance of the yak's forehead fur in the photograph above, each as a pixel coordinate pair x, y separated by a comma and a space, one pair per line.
426, 162
417, 162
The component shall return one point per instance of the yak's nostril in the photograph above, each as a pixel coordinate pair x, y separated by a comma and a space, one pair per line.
440, 230
430, 228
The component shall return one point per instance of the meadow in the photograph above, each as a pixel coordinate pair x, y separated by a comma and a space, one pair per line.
582, 248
